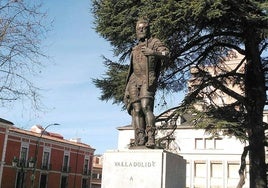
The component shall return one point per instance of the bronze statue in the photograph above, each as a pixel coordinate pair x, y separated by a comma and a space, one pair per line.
145, 63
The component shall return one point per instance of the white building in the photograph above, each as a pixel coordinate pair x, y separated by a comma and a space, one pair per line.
211, 162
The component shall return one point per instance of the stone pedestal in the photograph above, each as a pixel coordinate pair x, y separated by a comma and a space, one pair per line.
143, 168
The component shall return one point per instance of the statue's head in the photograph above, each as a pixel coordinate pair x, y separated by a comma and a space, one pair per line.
142, 29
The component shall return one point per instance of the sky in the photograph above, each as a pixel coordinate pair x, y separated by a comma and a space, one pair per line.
70, 97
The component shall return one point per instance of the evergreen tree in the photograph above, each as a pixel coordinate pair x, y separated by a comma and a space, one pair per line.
199, 33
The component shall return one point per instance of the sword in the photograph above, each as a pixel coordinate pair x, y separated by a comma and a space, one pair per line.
147, 67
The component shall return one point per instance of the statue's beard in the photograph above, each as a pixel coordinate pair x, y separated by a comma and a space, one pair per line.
141, 36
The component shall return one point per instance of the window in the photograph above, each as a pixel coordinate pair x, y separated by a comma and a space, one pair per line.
219, 144
216, 170
199, 143
64, 183
84, 183
20, 179
209, 143
216, 174
23, 156
86, 170
200, 174
45, 162
95, 176
23, 153
232, 170
43, 181
265, 118
22, 162
65, 167
200, 169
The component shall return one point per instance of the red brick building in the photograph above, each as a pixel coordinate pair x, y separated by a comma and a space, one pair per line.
96, 172
59, 162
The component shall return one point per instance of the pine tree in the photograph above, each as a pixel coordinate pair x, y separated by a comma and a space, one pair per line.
200, 33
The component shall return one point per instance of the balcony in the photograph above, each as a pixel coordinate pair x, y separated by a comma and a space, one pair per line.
96, 178
86, 172
22, 163
66, 169
45, 166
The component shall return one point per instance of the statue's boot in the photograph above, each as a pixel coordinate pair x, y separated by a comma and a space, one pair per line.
139, 137
150, 131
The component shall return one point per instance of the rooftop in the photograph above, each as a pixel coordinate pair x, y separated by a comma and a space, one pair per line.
49, 136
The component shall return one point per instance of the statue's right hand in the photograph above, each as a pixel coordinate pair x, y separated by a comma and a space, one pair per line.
147, 51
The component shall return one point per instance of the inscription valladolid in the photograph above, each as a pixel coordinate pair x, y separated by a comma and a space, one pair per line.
139, 164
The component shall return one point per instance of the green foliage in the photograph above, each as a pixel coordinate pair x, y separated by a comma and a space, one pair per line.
198, 32
114, 83
226, 121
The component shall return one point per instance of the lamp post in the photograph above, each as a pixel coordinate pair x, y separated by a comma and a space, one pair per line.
19, 163
22, 166
36, 153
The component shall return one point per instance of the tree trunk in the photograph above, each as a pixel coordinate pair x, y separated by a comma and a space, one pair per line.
255, 100
243, 168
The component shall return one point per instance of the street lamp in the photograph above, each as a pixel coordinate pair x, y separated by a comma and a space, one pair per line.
22, 166
36, 153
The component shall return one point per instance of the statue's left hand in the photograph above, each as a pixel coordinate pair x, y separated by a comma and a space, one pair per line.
147, 51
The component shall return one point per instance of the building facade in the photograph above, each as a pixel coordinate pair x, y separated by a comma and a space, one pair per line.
211, 162
59, 162
96, 171
210, 95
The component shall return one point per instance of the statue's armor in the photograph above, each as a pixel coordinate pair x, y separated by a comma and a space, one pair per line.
139, 67
137, 80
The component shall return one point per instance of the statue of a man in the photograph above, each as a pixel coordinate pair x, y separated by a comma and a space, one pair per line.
145, 63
